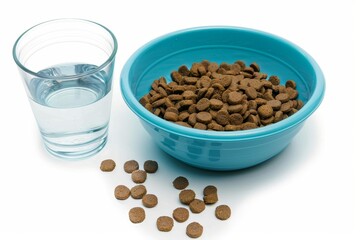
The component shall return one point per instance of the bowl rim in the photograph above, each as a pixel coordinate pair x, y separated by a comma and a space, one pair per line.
308, 108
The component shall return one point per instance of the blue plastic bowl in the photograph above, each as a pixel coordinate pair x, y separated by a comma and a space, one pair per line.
221, 150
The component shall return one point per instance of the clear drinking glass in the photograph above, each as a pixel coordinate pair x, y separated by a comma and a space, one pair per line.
67, 67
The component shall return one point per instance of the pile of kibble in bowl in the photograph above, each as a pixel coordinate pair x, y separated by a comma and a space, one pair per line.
223, 97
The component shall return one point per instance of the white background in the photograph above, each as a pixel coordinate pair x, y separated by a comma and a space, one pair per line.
310, 191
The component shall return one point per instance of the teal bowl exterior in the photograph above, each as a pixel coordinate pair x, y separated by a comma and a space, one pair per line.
221, 150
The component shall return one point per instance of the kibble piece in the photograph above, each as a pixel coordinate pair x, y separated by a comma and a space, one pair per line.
138, 191
275, 104
203, 104
151, 166
138, 176
235, 97
186, 196
282, 97
210, 189
236, 119
164, 223
176, 77
171, 116
107, 165
222, 117
278, 116
265, 111
223, 212
122, 192
180, 214
291, 84
180, 183
194, 230
204, 117
216, 104
137, 215
255, 66
197, 206
248, 125
300, 104
292, 93
183, 70
286, 107
150, 200
200, 126
192, 119
275, 80
251, 92
130, 166
210, 198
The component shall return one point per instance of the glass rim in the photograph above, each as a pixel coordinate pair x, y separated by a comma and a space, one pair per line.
88, 73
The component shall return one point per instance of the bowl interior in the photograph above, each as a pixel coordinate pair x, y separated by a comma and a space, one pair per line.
275, 56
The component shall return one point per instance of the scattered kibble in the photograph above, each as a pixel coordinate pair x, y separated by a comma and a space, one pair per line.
194, 230
181, 214
223, 212
186, 196
137, 215
165, 223
130, 166
138, 176
150, 200
197, 206
180, 183
138, 191
121, 192
107, 165
150, 166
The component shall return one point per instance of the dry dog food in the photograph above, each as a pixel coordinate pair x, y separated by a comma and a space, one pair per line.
223, 212
186, 196
121, 192
181, 214
107, 165
180, 183
137, 215
210, 194
223, 97
138, 176
138, 191
150, 166
164, 223
130, 166
194, 230
149, 200
197, 206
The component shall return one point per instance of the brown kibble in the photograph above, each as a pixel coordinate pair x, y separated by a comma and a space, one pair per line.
203, 117
235, 97
210, 189
192, 119
183, 70
180, 183
236, 119
255, 66
282, 97
267, 121
211, 198
122, 192
176, 77
223, 212
149, 200
158, 103
180, 214
278, 116
130, 166
251, 92
216, 104
275, 80
138, 176
292, 93
137, 215
194, 230
107, 165
248, 125
265, 111
215, 126
275, 104
222, 117
286, 107
235, 108
164, 223
203, 104
291, 84
300, 104
171, 116
200, 126
175, 97
197, 206
186, 196
138, 191
150, 166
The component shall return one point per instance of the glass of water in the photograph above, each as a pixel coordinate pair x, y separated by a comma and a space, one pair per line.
67, 67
